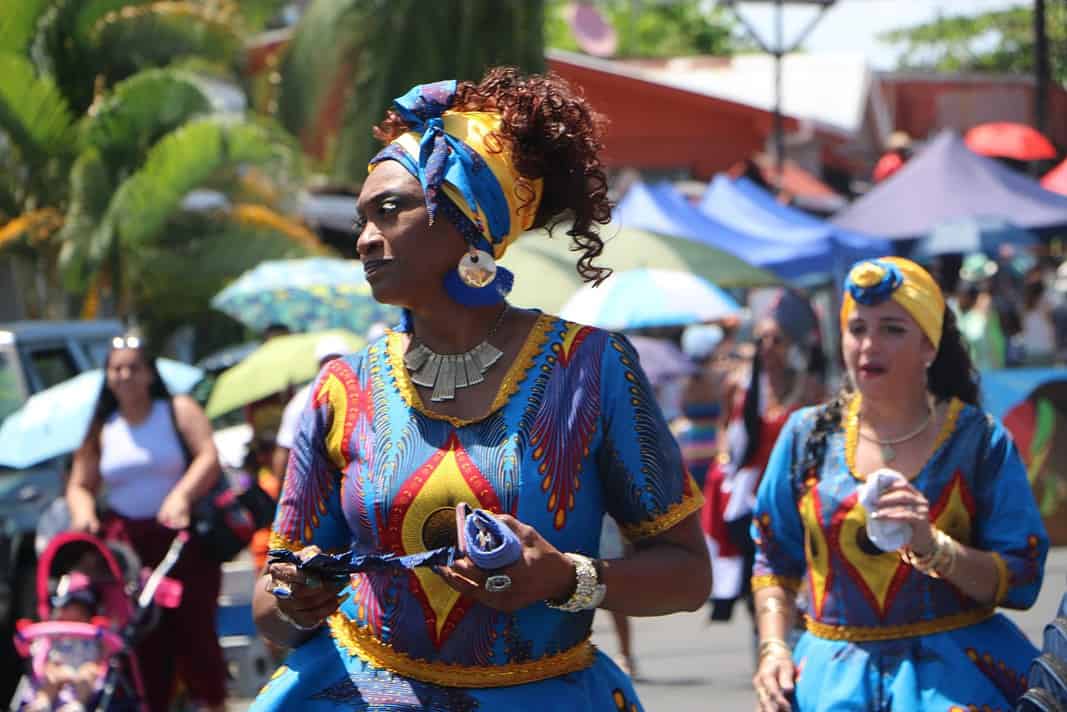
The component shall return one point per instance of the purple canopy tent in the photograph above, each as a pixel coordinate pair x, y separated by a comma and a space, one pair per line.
947, 180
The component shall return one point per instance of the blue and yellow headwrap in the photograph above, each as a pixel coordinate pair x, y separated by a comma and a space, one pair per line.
872, 282
461, 154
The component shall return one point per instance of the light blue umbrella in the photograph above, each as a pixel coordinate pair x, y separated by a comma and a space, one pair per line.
54, 421
973, 234
641, 298
313, 294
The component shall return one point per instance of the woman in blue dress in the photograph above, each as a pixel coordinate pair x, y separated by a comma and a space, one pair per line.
545, 423
888, 628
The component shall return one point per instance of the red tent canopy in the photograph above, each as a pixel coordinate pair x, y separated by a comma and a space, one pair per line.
1005, 139
1056, 179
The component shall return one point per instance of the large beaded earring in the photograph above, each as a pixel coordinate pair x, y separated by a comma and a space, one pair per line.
477, 281
477, 268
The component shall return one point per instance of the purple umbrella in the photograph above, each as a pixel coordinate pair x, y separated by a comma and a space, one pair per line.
661, 360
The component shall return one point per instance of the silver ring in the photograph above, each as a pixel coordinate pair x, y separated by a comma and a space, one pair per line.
497, 583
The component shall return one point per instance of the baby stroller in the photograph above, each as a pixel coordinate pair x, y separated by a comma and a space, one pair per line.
94, 603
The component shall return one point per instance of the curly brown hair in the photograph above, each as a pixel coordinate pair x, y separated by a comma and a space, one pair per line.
554, 135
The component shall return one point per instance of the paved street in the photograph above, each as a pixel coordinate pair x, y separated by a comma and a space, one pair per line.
688, 665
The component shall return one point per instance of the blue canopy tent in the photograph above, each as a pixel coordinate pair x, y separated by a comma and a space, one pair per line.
743, 205
661, 209
947, 180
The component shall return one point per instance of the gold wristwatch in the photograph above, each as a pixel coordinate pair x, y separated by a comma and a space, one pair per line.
589, 591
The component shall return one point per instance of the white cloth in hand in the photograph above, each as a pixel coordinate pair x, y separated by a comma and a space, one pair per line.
886, 535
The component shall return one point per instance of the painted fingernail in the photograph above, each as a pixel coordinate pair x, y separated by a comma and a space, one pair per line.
281, 592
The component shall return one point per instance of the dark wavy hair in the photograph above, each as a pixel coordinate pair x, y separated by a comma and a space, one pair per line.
554, 135
106, 402
951, 375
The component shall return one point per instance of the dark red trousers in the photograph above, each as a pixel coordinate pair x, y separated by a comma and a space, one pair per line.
184, 644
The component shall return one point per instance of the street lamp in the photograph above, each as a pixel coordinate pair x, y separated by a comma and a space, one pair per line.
778, 49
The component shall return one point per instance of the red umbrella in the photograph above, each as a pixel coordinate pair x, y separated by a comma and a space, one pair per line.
1056, 179
887, 165
1009, 140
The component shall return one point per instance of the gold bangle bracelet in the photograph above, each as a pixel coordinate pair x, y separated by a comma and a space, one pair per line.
940, 562
773, 604
769, 645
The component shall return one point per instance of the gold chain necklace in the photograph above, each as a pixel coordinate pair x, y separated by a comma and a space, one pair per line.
446, 373
886, 446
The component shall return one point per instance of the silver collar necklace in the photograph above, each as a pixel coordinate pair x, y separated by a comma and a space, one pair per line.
445, 373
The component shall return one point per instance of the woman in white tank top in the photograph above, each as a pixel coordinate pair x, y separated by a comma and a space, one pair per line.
149, 457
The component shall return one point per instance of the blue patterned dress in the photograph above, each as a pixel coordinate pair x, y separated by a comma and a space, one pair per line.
573, 433
881, 635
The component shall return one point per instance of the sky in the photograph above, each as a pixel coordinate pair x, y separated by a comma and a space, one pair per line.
853, 25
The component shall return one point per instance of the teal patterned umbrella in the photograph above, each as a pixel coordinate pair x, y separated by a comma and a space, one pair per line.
311, 294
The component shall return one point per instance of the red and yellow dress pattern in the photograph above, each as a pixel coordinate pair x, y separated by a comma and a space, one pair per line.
573, 433
880, 635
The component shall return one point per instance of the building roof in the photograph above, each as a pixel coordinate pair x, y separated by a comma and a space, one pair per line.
831, 90
650, 75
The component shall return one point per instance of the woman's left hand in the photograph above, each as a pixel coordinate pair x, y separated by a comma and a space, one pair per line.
174, 513
542, 572
904, 503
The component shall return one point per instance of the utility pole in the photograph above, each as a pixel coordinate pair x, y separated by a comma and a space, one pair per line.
779, 123
779, 49
1042, 69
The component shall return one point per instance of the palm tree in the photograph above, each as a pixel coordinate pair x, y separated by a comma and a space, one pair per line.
348, 59
115, 115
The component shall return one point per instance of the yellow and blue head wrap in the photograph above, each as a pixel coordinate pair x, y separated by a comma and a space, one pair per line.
872, 282
461, 154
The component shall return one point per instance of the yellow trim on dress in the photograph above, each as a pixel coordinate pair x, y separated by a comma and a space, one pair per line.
516, 374
1003, 579
280, 541
852, 432
360, 642
863, 633
789, 583
674, 514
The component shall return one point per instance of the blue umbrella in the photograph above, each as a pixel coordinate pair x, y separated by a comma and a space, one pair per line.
54, 421
973, 234
641, 298
314, 294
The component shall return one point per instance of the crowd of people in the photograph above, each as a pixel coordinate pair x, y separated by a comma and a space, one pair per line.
870, 531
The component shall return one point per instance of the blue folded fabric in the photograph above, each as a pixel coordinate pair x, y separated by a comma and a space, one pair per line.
490, 543
339, 567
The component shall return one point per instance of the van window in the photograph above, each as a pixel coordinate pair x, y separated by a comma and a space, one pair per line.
97, 351
11, 397
52, 366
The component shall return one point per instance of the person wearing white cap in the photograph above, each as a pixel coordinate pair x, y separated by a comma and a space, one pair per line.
327, 349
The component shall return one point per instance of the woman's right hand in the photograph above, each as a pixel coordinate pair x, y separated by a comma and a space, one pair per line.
774, 682
305, 600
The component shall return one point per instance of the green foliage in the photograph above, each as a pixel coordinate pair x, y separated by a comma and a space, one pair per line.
256, 14
141, 110
316, 52
185, 159
132, 72
199, 254
81, 42
32, 111
125, 43
685, 27
18, 24
997, 41
390, 45
91, 187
